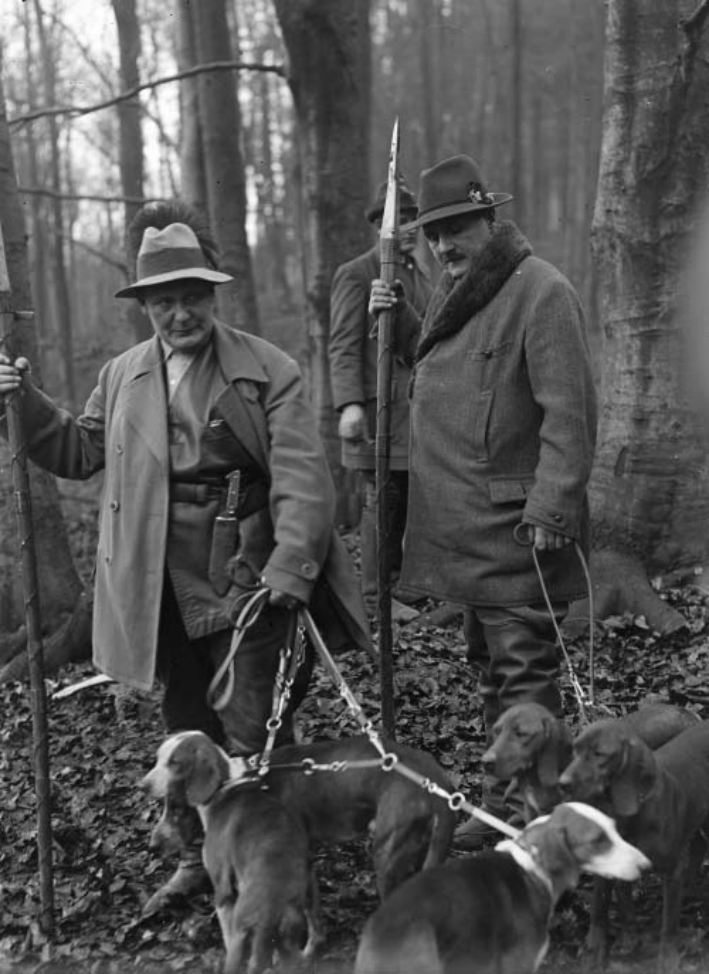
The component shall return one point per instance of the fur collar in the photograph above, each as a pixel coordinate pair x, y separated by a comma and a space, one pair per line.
452, 305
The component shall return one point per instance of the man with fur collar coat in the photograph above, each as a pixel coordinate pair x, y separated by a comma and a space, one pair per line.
503, 419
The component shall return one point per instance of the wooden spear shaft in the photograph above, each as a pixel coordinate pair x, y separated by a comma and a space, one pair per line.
388, 255
30, 588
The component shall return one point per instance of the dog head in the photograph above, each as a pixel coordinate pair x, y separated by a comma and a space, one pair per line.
611, 768
578, 838
527, 737
189, 770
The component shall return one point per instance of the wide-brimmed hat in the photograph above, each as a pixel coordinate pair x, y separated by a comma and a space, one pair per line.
407, 201
170, 254
453, 186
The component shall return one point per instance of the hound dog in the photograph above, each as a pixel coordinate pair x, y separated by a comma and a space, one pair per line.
489, 914
255, 851
533, 746
660, 800
410, 828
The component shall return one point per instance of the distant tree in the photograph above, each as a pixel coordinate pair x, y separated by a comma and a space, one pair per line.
219, 128
131, 137
328, 44
649, 490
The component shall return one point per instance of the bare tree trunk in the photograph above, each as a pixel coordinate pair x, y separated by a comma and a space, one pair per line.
131, 138
328, 45
649, 486
60, 588
220, 126
57, 251
426, 12
194, 178
516, 119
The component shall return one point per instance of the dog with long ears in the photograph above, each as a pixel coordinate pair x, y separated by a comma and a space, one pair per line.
255, 851
489, 914
533, 746
660, 800
410, 828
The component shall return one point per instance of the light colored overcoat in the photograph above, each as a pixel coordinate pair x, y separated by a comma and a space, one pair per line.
124, 430
503, 430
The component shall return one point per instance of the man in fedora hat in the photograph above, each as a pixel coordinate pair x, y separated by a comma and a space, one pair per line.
353, 370
503, 434
173, 422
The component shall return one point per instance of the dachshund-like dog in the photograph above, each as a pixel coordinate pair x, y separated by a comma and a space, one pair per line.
489, 914
660, 800
255, 851
533, 746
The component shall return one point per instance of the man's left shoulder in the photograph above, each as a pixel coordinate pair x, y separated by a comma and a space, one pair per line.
537, 271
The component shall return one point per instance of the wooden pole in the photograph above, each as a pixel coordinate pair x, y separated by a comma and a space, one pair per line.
388, 254
30, 587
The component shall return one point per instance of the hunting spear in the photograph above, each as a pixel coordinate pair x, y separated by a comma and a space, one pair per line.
30, 588
389, 258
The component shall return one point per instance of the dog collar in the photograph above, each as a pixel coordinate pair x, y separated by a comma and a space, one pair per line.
526, 861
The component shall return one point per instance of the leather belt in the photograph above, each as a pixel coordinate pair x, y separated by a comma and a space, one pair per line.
252, 497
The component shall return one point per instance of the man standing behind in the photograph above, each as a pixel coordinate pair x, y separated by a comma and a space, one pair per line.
353, 369
503, 420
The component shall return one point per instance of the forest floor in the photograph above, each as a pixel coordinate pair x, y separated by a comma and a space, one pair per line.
103, 740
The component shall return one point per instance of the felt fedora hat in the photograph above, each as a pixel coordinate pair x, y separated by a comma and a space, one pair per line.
407, 201
453, 186
170, 254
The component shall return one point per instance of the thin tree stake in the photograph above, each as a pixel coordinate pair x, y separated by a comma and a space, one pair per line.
30, 587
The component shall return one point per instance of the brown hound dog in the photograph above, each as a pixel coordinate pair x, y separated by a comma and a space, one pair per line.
533, 746
255, 851
489, 914
660, 800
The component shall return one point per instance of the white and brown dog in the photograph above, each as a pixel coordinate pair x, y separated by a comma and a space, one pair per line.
410, 828
489, 914
255, 851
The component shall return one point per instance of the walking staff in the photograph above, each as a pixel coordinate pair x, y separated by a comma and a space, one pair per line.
389, 253
30, 586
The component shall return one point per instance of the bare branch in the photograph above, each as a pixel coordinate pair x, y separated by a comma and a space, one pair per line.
132, 92
36, 191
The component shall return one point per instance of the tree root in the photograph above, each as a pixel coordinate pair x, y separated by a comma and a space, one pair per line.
620, 585
70, 643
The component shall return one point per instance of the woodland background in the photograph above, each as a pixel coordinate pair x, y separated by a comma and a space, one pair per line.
274, 117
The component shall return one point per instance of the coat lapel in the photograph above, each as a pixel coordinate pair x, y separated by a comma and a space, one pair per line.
239, 403
146, 402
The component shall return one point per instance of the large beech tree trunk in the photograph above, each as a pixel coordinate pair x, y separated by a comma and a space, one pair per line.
61, 599
328, 44
649, 490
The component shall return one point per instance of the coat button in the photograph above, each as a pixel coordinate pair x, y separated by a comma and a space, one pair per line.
559, 518
114, 505
308, 569
119, 448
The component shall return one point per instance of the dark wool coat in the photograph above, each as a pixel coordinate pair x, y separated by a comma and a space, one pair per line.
503, 431
124, 430
353, 354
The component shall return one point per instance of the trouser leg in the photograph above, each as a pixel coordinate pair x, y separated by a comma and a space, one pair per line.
396, 501
256, 663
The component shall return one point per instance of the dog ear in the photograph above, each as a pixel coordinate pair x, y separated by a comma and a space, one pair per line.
548, 757
203, 779
634, 779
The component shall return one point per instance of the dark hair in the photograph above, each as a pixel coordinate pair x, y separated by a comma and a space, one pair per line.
160, 215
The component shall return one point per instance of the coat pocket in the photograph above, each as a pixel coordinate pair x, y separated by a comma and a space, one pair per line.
511, 490
481, 422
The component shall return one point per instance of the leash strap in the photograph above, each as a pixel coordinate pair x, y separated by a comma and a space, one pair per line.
291, 654
581, 697
252, 609
388, 761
